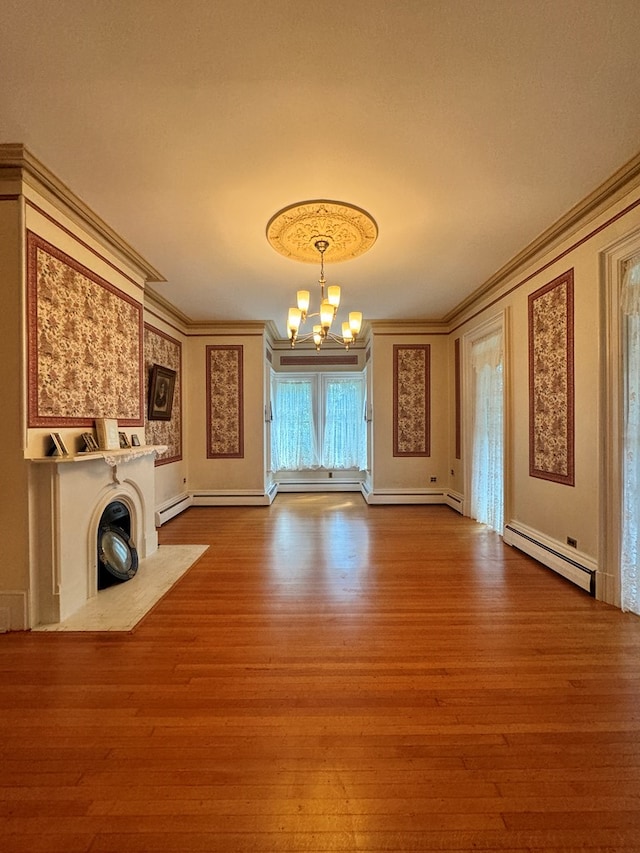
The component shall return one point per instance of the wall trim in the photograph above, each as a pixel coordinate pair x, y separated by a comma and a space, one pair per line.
232, 498
319, 486
405, 496
14, 610
18, 163
622, 181
571, 564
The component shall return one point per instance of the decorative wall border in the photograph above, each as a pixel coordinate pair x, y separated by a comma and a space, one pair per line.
225, 410
551, 382
161, 348
411, 399
91, 380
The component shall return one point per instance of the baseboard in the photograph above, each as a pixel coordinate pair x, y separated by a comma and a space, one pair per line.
571, 564
404, 496
233, 498
320, 486
455, 500
169, 509
14, 612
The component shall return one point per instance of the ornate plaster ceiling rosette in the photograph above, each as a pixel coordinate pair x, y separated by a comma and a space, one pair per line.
348, 230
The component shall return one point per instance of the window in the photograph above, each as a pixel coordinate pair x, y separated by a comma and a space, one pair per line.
318, 421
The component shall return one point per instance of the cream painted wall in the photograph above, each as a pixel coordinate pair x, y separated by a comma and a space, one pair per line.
552, 510
389, 472
246, 475
14, 494
171, 478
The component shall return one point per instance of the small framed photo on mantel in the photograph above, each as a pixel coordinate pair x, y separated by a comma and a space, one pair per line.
90, 444
58, 447
107, 432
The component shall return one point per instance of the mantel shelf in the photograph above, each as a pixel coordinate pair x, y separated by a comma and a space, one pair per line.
111, 457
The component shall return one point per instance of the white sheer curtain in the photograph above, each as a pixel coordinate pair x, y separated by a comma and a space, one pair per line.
630, 545
345, 437
487, 487
293, 430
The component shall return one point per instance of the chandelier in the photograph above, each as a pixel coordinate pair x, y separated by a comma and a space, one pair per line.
306, 230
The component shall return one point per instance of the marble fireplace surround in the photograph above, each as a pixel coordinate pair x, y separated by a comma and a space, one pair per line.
69, 495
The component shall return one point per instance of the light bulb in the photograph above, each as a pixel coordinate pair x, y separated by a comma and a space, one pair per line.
333, 294
355, 322
294, 319
326, 314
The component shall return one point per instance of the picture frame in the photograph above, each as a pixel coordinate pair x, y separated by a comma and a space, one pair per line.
59, 448
90, 444
124, 440
107, 432
162, 381
135, 441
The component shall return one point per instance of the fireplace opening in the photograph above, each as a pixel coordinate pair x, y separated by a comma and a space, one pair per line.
117, 555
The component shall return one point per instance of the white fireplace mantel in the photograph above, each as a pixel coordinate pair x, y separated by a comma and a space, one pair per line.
111, 457
71, 493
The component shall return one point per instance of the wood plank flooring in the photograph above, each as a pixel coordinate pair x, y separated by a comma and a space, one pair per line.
331, 677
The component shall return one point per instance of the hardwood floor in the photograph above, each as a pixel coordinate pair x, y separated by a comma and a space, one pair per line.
331, 677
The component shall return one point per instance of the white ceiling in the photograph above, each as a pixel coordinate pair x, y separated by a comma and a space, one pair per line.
465, 127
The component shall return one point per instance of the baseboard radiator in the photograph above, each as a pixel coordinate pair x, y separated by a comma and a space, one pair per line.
172, 508
319, 485
571, 564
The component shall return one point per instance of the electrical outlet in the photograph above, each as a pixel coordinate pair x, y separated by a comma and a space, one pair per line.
571, 541
434, 479
452, 473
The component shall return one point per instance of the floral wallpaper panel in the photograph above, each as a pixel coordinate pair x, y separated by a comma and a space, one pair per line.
411, 391
225, 416
551, 382
85, 344
160, 348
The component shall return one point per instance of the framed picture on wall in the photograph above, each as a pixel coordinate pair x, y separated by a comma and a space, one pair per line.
162, 381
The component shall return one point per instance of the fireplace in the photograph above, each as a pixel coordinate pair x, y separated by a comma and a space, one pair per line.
71, 496
117, 553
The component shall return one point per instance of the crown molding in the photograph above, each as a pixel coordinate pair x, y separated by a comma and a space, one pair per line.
408, 327
19, 167
621, 182
168, 311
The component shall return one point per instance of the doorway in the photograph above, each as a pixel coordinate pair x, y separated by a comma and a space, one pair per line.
485, 437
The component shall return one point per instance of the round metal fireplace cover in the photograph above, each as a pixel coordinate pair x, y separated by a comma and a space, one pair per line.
117, 554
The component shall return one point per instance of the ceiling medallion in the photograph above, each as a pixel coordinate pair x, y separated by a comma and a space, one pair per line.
308, 231
348, 230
